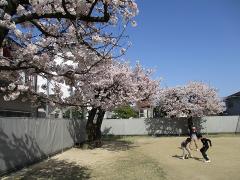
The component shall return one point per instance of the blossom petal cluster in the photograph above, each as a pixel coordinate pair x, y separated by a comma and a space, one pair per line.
195, 99
113, 85
61, 41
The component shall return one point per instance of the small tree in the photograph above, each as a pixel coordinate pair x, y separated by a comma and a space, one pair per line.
125, 112
76, 114
196, 99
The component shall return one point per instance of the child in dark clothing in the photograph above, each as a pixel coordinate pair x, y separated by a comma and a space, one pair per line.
205, 147
184, 146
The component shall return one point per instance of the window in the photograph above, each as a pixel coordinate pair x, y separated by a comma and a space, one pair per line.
9, 113
141, 113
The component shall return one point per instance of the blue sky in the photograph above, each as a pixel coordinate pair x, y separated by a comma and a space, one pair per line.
186, 40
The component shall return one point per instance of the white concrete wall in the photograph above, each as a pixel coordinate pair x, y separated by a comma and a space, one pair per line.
220, 124
26, 140
140, 126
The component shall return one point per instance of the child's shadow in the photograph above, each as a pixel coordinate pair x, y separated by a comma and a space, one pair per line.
195, 158
198, 159
177, 156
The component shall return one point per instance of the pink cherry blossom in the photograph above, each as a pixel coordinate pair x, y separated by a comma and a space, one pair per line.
195, 99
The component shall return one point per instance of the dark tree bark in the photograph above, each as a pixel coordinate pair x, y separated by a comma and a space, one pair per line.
3, 34
94, 129
98, 135
190, 124
90, 129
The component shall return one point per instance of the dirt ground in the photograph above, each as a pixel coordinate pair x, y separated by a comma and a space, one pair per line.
140, 158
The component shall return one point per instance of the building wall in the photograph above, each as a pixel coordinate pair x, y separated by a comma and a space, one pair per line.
233, 106
146, 113
17, 107
109, 114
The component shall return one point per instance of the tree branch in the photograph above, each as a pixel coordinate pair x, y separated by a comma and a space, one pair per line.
92, 7
59, 15
38, 26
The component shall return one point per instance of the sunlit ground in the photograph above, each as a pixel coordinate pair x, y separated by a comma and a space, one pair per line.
141, 158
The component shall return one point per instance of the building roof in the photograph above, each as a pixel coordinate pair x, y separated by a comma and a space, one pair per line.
237, 94
143, 104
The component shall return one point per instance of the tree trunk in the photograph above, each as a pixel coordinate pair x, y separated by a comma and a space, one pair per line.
98, 134
3, 33
3, 30
94, 129
190, 124
90, 129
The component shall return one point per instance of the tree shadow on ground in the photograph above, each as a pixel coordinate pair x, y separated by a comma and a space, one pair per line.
52, 169
117, 143
110, 143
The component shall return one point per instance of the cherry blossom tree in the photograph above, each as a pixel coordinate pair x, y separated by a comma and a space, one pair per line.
110, 86
195, 99
75, 44
82, 33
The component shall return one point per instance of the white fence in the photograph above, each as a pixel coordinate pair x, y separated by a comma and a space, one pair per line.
221, 124
26, 140
160, 126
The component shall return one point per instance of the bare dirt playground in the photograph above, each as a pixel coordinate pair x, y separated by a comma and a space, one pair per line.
140, 158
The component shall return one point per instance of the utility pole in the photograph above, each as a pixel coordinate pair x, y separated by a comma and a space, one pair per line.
71, 94
47, 103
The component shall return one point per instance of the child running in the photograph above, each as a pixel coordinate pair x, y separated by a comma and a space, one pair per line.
184, 146
205, 147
